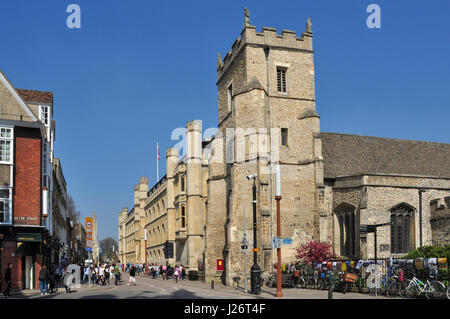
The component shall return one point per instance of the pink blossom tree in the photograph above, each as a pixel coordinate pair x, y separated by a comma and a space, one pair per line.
314, 252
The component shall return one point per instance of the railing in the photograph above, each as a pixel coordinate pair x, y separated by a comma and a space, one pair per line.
321, 275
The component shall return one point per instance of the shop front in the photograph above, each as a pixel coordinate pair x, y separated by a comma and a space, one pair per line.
27, 250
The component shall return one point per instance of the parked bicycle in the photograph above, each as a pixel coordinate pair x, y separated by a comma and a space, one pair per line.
415, 287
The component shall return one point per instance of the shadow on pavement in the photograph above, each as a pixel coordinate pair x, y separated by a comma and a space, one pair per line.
179, 294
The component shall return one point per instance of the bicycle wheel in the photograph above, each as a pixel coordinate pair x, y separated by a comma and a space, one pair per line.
448, 293
393, 289
436, 290
402, 289
411, 289
321, 284
313, 282
299, 282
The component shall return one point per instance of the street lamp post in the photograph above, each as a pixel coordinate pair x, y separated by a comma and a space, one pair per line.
278, 199
145, 251
255, 271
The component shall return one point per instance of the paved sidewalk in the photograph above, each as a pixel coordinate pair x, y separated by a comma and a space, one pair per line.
270, 293
60, 289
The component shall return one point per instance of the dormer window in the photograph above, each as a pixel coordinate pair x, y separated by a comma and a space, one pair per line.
281, 79
44, 115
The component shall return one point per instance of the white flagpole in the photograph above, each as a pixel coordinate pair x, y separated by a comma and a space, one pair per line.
157, 162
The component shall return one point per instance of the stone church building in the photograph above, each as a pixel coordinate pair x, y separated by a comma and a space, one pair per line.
331, 183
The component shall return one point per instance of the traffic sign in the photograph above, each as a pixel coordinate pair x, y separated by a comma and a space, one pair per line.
89, 249
88, 223
286, 241
276, 243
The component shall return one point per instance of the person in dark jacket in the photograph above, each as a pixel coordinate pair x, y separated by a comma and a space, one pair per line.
44, 277
8, 280
132, 276
52, 281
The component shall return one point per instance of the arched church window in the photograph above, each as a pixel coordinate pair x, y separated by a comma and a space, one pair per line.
402, 218
345, 214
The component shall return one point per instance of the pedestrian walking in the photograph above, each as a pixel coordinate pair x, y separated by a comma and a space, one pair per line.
65, 279
116, 274
52, 281
183, 273
107, 275
132, 276
101, 274
93, 276
176, 273
8, 280
87, 271
58, 274
44, 278
163, 272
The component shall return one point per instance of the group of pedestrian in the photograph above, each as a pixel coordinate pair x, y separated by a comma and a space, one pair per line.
102, 274
49, 278
167, 272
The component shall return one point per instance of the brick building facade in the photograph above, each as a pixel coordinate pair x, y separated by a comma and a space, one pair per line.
25, 186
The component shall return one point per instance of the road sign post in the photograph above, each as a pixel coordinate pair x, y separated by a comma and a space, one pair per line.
244, 248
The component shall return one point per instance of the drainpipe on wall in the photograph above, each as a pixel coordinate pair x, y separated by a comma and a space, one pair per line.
420, 215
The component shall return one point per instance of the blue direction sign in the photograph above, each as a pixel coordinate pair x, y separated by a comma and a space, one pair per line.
286, 241
276, 242
89, 249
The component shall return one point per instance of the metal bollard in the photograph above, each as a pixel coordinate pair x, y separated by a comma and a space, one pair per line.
330, 290
212, 284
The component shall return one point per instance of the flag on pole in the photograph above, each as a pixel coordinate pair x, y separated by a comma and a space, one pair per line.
157, 151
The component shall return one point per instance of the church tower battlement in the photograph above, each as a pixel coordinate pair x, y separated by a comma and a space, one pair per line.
266, 89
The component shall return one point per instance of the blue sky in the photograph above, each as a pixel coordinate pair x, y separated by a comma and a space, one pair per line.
138, 69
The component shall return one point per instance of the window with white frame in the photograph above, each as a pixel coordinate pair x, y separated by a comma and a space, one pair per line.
6, 145
281, 79
5, 206
44, 114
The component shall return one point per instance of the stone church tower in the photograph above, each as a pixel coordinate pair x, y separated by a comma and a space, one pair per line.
265, 81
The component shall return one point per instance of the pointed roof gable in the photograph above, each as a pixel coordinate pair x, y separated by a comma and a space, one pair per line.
9, 95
